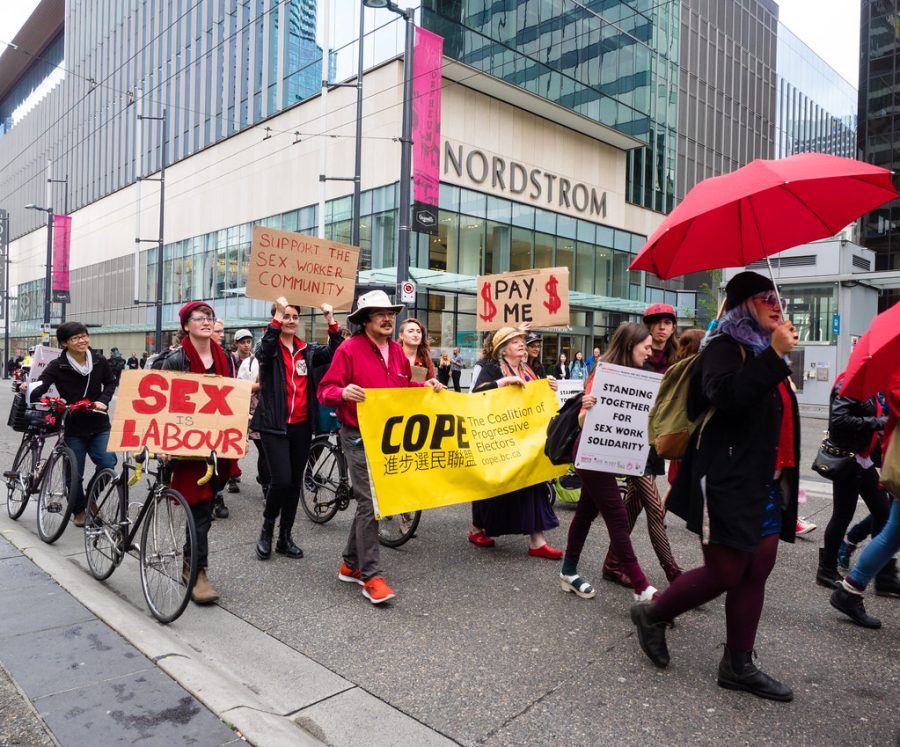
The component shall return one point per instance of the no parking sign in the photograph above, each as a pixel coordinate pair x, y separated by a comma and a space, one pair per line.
407, 292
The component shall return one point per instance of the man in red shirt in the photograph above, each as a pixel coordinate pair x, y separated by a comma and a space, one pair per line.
370, 359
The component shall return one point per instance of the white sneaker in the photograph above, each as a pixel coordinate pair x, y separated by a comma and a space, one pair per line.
646, 595
804, 526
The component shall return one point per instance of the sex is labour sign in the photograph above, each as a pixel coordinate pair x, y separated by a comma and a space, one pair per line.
305, 270
540, 297
181, 414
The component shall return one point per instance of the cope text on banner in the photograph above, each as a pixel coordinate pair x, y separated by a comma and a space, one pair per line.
511, 298
428, 449
426, 113
305, 270
614, 438
181, 413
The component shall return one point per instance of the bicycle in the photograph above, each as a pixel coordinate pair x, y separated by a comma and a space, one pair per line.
54, 478
166, 553
327, 490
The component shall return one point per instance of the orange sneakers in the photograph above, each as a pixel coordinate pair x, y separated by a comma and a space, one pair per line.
377, 591
350, 575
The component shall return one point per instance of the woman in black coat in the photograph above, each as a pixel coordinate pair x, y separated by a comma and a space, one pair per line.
738, 483
286, 417
854, 426
80, 373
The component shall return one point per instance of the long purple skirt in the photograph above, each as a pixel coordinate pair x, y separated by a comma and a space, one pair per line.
523, 511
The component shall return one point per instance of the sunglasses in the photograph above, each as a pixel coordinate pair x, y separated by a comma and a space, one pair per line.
770, 298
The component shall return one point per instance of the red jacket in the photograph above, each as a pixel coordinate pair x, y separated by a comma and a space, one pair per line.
359, 361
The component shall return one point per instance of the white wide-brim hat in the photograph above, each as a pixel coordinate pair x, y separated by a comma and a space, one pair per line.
372, 301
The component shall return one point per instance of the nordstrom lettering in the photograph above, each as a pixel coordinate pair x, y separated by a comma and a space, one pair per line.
517, 179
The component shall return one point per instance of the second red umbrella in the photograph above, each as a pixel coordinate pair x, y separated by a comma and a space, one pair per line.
875, 357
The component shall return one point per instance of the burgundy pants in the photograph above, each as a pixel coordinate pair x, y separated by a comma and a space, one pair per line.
740, 575
600, 495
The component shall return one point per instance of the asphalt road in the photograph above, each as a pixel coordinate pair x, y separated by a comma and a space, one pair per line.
482, 645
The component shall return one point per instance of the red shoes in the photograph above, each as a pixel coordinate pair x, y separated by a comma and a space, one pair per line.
481, 539
545, 551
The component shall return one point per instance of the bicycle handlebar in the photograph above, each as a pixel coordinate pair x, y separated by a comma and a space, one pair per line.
212, 466
60, 405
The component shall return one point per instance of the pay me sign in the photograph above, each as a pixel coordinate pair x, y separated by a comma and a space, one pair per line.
181, 413
305, 270
540, 297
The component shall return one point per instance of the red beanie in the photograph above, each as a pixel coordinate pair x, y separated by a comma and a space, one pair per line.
185, 311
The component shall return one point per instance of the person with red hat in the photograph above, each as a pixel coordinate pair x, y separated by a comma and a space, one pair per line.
660, 319
199, 354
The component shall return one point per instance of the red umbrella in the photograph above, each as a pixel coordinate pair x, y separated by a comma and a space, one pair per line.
875, 357
761, 209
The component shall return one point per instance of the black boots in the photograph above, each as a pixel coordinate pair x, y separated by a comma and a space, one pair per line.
852, 605
651, 633
286, 544
738, 672
887, 584
827, 575
264, 545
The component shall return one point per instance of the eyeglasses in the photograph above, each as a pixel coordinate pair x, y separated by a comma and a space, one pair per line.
290, 317
770, 298
201, 319
78, 338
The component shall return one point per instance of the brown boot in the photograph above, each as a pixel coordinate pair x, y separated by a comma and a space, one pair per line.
78, 519
203, 592
612, 571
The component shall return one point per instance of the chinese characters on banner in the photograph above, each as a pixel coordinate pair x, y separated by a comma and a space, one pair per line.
614, 438
181, 413
305, 270
426, 130
428, 449
540, 297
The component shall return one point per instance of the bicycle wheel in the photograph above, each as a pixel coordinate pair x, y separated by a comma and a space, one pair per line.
57, 491
103, 540
18, 476
168, 541
394, 531
321, 480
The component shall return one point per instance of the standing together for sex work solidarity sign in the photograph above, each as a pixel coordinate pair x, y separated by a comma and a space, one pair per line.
305, 270
614, 438
512, 298
182, 414
428, 449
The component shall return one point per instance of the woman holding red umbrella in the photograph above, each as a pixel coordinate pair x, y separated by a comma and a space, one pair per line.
738, 483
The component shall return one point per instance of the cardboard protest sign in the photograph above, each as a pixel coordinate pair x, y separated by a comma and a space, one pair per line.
181, 413
566, 388
614, 438
428, 449
511, 298
305, 270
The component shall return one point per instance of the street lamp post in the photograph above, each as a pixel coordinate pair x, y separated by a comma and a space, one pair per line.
47, 283
406, 143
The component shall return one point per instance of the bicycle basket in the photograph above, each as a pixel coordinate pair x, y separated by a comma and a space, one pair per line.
23, 418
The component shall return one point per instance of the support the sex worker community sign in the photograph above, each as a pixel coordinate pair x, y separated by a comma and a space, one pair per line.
182, 414
305, 270
428, 449
614, 438
509, 299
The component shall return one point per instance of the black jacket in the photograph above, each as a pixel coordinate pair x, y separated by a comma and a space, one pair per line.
271, 412
851, 423
177, 360
73, 386
727, 470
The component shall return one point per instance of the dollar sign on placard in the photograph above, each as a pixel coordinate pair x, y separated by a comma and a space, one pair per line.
553, 301
490, 310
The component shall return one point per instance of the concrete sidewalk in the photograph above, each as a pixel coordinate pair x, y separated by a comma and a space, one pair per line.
77, 680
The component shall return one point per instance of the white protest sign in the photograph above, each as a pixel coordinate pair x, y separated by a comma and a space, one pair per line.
614, 438
565, 388
40, 359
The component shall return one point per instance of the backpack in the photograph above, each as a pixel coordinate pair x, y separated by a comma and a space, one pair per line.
669, 428
160, 359
563, 430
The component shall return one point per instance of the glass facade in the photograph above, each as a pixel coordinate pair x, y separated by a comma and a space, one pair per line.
613, 62
43, 74
815, 107
879, 126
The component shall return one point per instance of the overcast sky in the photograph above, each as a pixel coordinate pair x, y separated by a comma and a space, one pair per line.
829, 27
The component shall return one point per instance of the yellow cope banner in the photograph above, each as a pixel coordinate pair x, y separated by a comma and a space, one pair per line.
428, 449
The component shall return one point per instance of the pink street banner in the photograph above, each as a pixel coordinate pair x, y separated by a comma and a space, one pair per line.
62, 233
426, 114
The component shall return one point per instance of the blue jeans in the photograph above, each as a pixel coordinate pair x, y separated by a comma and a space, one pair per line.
879, 551
95, 446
